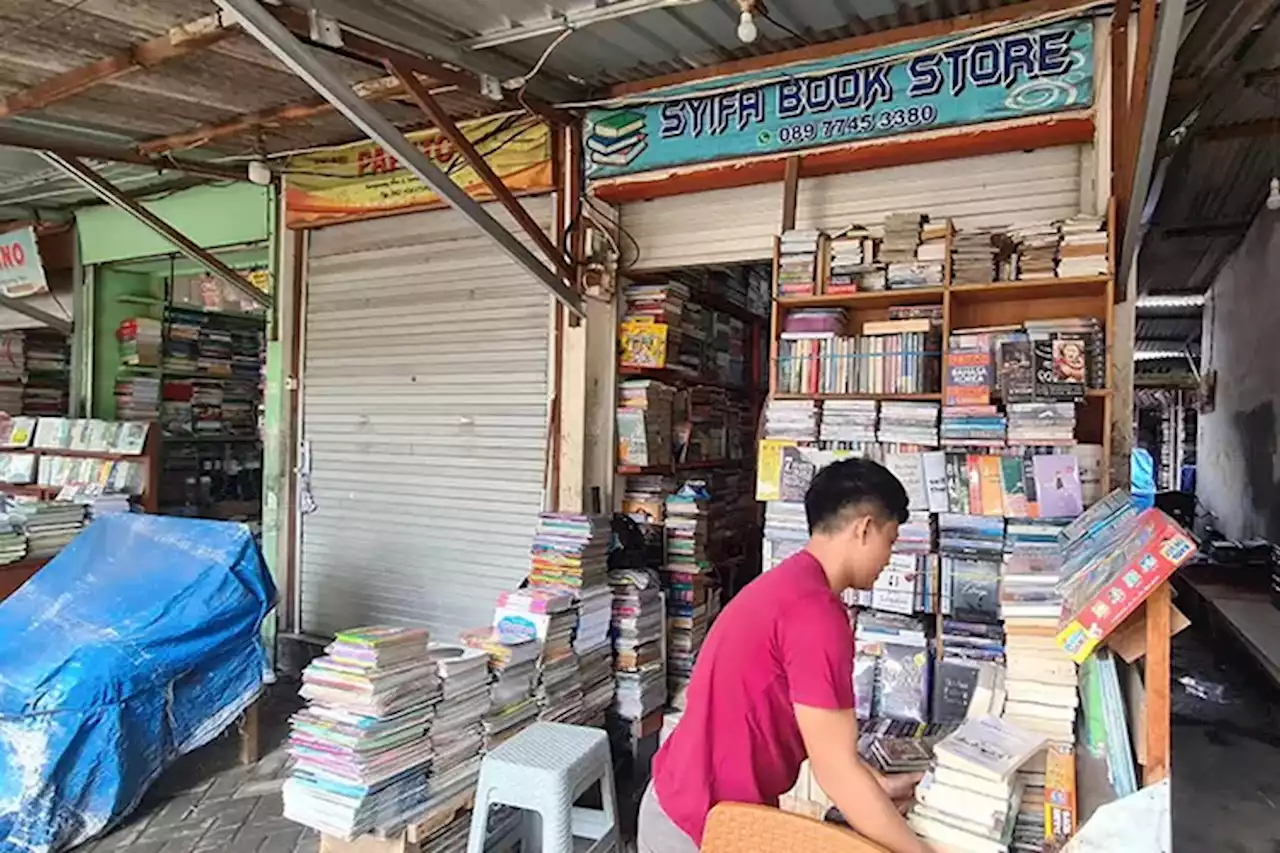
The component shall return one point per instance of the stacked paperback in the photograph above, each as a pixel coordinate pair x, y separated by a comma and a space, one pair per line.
975, 255
908, 424
798, 262
849, 424
48, 525
513, 667
595, 652
1084, 247
853, 266
1037, 250
551, 617
644, 422
569, 552
1041, 423
456, 732
639, 668
973, 426
141, 340
970, 800
362, 747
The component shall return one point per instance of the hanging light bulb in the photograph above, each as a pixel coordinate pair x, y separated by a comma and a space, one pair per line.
1273, 197
747, 30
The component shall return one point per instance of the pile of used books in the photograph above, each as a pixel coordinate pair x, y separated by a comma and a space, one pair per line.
794, 419
456, 733
853, 266
1037, 252
975, 255
798, 262
639, 669
48, 525
513, 667
570, 552
595, 653
971, 798
13, 545
551, 617
849, 424
1084, 247
908, 424
650, 334
362, 747
644, 422
1041, 423
973, 426
901, 238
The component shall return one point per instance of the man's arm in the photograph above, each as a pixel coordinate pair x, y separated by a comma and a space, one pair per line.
831, 740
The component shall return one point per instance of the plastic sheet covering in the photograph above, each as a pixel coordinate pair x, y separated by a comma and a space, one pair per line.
138, 643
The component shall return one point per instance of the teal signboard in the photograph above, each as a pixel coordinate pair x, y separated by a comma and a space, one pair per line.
908, 87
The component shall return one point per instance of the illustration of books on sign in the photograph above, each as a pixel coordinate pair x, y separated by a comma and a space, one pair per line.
616, 139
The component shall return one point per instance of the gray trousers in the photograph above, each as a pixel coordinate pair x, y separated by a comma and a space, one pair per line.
655, 831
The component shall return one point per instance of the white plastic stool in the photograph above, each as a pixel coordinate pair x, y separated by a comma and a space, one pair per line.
544, 769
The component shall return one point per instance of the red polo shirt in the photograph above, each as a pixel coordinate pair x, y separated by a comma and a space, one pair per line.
784, 639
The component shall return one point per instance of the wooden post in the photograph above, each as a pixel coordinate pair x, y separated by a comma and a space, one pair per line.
790, 192
1120, 183
1157, 684
1138, 92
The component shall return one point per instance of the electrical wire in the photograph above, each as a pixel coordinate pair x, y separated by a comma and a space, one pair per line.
47, 19
781, 74
542, 60
764, 13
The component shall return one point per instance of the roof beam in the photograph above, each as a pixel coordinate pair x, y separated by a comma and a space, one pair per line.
1241, 130
53, 321
12, 137
102, 188
177, 42
259, 22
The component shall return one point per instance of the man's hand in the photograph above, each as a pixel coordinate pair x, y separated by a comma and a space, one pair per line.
901, 787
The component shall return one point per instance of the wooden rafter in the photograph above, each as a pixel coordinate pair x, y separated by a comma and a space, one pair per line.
177, 42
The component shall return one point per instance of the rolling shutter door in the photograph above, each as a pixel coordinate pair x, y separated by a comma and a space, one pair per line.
736, 225
424, 406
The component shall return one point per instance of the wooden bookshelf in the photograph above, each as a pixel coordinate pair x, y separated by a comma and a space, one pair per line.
998, 303
148, 499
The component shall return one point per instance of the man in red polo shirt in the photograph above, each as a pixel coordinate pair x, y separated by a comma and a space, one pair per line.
774, 682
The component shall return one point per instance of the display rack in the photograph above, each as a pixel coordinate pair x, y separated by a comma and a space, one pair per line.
993, 304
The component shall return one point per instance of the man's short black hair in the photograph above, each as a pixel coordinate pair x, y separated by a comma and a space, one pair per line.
853, 487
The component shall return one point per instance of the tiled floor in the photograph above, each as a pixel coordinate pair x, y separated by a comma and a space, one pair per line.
209, 802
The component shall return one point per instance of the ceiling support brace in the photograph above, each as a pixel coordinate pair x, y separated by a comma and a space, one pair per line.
53, 321
446, 125
1157, 93
262, 25
110, 194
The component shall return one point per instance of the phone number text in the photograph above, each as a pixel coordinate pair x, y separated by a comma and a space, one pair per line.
837, 128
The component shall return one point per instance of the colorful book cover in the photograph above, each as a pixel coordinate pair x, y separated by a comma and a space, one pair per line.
1059, 794
990, 476
1013, 493
968, 377
642, 343
1058, 486
973, 480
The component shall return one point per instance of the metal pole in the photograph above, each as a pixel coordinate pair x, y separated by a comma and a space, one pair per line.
108, 193
274, 36
53, 321
1166, 49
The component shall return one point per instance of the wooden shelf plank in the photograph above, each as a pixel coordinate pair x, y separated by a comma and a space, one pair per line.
1036, 288
675, 377
866, 299
933, 396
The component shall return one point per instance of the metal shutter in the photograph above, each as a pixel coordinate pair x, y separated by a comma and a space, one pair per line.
424, 402
734, 225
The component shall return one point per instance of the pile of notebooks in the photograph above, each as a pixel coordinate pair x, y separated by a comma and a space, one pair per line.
973, 426
595, 652
908, 423
1041, 423
638, 616
1084, 247
794, 419
976, 254
569, 551
971, 797
362, 747
513, 669
48, 525
456, 732
1037, 250
798, 262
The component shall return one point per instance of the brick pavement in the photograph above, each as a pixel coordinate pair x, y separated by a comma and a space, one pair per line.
207, 802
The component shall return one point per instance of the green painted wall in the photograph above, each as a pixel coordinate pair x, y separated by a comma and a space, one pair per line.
209, 216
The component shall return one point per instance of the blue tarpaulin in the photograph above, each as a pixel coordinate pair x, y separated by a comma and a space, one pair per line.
138, 643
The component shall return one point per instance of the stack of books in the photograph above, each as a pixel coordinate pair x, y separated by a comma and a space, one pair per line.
976, 254
457, 736
970, 799
13, 371
1084, 247
569, 552
141, 340
798, 263
915, 536
908, 423
849, 424
973, 426
1037, 250
644, 501
908, 276
794, 419
1069, 355
802, 323
895, 357
48, 525
549, 616
47, 355
650, 334
785, 531
592, 645
138, 398
361, 747
1041, 423
971, 536
931, 254
891, 667
853, 266
692, 602
687, 528
901, 238
639, 669
513, 668
1040, 678
13, 545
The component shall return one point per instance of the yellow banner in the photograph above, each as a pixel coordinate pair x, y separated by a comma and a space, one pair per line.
362, 180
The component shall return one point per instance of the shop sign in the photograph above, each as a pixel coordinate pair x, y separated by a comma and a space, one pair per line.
956, 80
21, 273
360, 180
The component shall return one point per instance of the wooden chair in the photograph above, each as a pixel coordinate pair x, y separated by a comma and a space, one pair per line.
743, 828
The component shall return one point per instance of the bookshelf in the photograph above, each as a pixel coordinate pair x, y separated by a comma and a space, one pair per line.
1000, 303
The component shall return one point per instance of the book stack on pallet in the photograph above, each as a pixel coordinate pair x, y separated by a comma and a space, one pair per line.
639, 667
1084, 247
513, 669
798, 267
971, 798
362, 748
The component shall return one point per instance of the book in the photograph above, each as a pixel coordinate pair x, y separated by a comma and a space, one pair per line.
1058, 492
988, 747
618, 124
1016, 368
935, 480
968, 377
1061, 368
